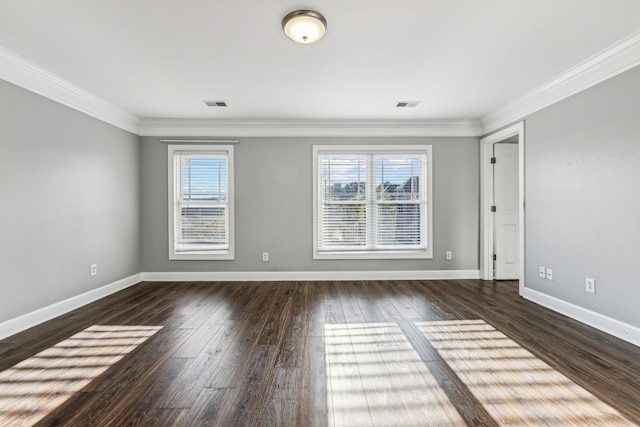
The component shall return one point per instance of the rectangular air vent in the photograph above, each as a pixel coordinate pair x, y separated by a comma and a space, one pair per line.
215, 103
407, 104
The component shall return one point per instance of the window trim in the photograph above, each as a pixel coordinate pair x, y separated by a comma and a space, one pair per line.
391, 254
227, 254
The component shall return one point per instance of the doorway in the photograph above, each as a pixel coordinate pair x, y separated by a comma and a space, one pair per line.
502, 205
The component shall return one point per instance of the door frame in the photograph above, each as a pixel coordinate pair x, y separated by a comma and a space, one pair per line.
486, 200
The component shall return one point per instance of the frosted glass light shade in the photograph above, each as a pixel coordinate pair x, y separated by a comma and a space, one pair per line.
304, 26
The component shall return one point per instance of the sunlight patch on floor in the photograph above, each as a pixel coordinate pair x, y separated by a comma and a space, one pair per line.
375, 377
515, 387
36, 386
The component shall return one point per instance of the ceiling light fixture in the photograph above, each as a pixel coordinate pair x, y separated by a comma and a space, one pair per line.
304, 26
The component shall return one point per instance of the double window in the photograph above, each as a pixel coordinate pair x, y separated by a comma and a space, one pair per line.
372, 202
368, 202
201, 202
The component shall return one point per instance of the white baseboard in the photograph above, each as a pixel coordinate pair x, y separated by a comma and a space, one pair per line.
266, 276
26, 321
606, 324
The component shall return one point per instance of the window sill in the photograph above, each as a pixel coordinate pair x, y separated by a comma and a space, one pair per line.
200, 256
373, 255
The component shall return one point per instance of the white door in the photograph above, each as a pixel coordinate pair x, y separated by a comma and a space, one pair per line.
505, 242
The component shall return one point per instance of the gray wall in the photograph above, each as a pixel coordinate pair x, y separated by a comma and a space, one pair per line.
69, 197
583, 197
273, 189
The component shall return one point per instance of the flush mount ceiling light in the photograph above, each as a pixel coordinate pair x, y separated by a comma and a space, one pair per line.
304, 26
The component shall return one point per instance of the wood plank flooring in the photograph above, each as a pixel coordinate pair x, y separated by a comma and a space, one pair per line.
374, 353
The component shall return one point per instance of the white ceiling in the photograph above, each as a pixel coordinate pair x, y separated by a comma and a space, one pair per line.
462, 59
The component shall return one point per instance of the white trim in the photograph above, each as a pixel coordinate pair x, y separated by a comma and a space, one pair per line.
28, 75
228, 254
610, 62
29, 320
618, 58
606, 324
486, 198
307, 128
267, 276
427, 169
614, 327
364, 254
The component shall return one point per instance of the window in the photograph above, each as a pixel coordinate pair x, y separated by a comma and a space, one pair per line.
201, 202
372, 202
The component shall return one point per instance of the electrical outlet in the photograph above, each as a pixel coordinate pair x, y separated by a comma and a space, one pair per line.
549, 274
94, 269
590, 285
449, 255
265, 256
542, 272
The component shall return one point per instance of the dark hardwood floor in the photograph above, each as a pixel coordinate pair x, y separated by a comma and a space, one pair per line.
406, 353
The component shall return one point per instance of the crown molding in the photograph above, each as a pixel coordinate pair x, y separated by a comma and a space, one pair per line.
618, 58
612, 61
27, 75
308, 128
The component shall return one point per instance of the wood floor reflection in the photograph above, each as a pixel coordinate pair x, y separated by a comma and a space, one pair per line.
385, 353
36, 386
513, 385
376, 377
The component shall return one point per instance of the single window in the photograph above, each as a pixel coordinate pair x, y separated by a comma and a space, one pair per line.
372, 202
200, 202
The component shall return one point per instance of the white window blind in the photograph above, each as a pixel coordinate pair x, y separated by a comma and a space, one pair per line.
200, 214
372, 201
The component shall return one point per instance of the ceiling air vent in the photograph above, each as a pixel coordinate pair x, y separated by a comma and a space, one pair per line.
407, 104
215, 103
